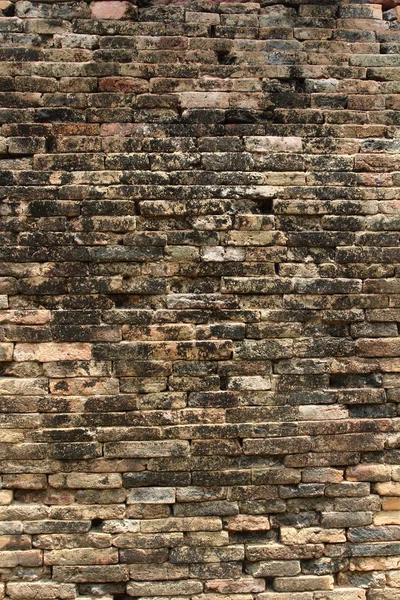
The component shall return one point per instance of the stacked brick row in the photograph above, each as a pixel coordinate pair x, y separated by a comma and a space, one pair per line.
199, 300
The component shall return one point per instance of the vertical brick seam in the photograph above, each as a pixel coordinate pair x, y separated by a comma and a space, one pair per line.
199, 300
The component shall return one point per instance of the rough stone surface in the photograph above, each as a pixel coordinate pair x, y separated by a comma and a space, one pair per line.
200, 300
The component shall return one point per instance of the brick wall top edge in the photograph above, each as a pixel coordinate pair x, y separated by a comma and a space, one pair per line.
204, 5
150, 3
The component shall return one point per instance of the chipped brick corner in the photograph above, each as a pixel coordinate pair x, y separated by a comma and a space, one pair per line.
199, 300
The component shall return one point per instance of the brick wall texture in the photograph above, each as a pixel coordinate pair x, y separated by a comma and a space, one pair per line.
199, 300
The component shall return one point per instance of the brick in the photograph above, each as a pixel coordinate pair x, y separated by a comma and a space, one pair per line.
206, 555
286, 596
34, 589
346, 519
105, 573
272, 568
6, 497
341, 594
25, 481
347, 489
378, 347
303, 583
316, 535
23, 387
254, 285
114, 9
164, 588
283, 552
182, 524
8, 285
387, 518
84, 386
368, 473
85, 480
146, 449
273, 144
241, 586
21, 558
152, 496
277, 446
247, 523
249, 238
389, 488
6, 352
49, 352
204, 100
249, 383
83, 556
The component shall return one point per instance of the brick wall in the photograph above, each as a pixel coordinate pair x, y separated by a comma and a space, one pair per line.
200, 297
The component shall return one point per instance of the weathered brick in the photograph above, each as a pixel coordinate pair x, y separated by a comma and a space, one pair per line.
283, 552
187, 554
241, 586
81, 574
6, 352
23, 387
21, 558
48, 352
146, 449
286, 596
269, 144
152, 496
46, 590
182, 524
85, 480
164, 588
277, 446
6, 497
84, 556
247, 523
303, 583
389, 488
316, 535
368, 473
25, 481
341, 594
387, 518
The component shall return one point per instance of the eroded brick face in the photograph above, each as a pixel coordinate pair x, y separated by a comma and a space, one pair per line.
199, 300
